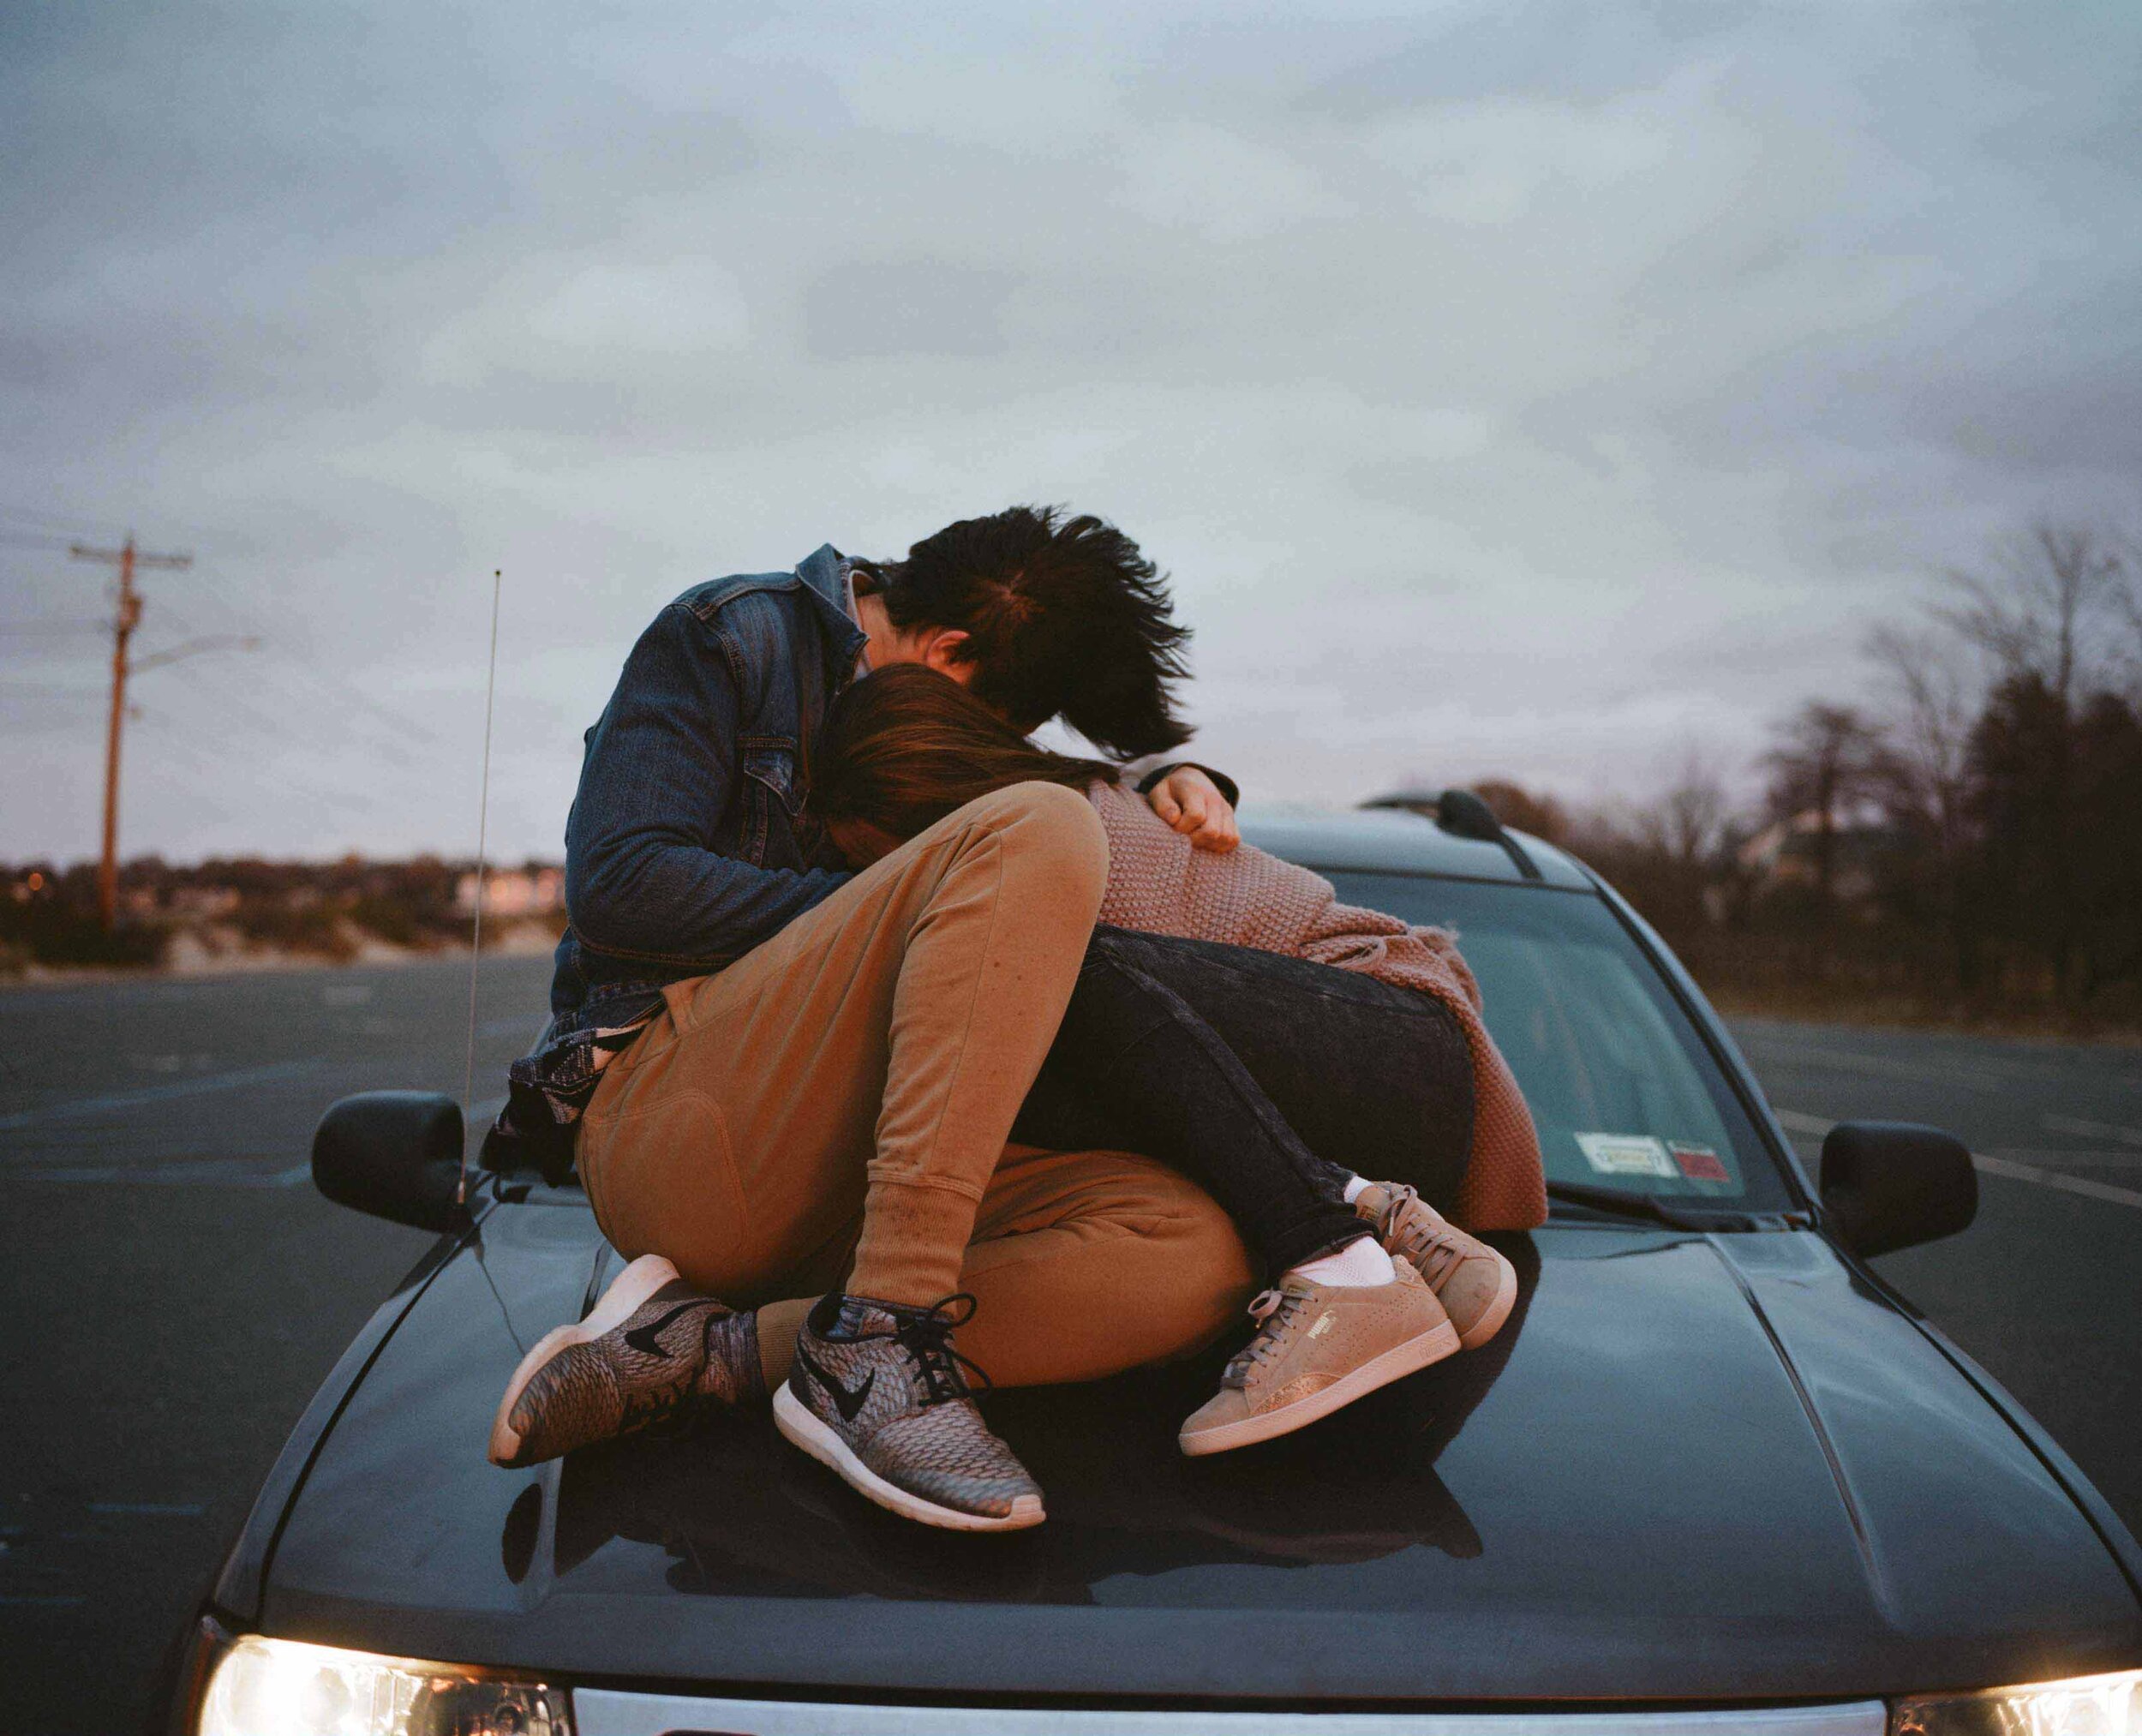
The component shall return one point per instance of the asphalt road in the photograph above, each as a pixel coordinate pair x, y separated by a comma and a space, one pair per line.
171, 1289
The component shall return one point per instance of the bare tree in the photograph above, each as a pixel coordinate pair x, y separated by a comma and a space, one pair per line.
1824, 763
2128, 552
2049, 604
1687, 824
1529, 810
2052, 611
1934, 698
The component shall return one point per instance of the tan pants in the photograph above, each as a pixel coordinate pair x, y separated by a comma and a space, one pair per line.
832, 1112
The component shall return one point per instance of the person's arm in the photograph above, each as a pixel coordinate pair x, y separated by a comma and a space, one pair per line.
642, 879
1194, 800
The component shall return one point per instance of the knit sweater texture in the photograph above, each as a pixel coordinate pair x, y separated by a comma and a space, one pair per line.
1158, 881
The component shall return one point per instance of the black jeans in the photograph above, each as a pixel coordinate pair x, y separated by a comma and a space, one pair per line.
1267, 1080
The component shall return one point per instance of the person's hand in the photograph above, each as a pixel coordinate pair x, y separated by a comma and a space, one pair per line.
1192, 803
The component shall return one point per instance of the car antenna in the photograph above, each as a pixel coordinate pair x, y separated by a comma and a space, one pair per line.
476, 938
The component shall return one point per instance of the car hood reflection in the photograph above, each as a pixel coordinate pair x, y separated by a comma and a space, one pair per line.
1690, 1466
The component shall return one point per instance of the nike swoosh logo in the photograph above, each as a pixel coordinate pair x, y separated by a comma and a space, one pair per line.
648, 1339
849, 1404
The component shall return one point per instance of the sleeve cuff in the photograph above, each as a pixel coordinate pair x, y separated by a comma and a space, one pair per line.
1225, 784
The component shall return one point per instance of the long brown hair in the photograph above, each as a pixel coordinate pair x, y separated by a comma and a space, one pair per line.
905, 745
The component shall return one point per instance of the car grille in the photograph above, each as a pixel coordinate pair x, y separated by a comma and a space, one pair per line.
601, 1712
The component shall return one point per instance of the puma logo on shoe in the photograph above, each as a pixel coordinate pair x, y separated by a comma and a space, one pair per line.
648, 1339
849, 1404
1317, 1348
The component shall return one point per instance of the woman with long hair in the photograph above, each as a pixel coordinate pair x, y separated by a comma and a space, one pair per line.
1386, 1054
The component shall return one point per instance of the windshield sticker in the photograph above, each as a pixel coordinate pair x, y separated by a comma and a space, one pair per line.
1626, 1154
1698, 1163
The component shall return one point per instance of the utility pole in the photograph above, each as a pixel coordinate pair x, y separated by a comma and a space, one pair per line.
126, 557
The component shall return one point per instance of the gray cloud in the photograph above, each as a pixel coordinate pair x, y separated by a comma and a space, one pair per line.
876, 308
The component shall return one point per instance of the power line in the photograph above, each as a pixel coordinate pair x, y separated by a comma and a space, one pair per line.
193, 647
31, 629
230, 704
56, 521
305, 698
303, 717
340, 804
327, 684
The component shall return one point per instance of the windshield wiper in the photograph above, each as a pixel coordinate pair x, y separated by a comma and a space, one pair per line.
1615, 1202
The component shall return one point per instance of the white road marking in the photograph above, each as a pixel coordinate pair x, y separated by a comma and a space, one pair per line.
1794, 1121
207, 1172
1810, 1126
2103, 1158
1876, 1066
77, 1107
1978, 1072
2067, 1184
2093, 1129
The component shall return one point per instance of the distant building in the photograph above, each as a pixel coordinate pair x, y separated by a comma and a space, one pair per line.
1784, 853
514, 892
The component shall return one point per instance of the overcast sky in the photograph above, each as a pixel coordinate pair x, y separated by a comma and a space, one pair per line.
1530, 389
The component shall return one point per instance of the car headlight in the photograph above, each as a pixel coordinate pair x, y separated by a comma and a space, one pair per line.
275, 1687
2084, 1706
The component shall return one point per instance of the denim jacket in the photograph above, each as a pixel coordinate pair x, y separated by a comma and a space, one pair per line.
685, 846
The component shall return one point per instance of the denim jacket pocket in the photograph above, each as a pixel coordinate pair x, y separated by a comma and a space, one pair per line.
769, 772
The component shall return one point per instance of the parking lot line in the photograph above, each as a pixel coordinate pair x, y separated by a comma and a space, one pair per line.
1795, 1121
2094, 1130
76, 1107
2051, 1178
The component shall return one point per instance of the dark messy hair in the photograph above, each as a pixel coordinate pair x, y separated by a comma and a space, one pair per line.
905, 745
1064, 618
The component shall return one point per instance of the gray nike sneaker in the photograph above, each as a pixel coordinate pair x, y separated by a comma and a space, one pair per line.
651, 1346
879, 1395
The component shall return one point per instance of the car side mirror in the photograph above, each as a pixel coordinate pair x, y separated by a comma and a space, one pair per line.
1892, 1184
396, 1154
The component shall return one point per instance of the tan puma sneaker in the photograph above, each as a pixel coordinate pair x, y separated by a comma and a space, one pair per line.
649, 1347
1476, 1285
1320, 1346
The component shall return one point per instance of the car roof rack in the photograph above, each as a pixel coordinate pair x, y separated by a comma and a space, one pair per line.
1463, 814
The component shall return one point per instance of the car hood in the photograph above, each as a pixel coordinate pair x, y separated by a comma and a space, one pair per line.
1691, 1467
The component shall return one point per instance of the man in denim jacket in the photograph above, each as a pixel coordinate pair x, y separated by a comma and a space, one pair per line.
792, 1088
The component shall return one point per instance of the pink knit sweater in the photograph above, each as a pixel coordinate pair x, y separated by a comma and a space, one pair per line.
1156, 882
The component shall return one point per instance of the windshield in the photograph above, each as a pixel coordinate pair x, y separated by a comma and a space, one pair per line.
1622, 1090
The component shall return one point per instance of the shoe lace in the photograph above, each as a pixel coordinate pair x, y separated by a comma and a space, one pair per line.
1273, 1310
1416, 1238
926, 1335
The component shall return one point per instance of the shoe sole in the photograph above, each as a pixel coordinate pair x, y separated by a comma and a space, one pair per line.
1394, 1364
628, 1291
794, 1418
1497, 1311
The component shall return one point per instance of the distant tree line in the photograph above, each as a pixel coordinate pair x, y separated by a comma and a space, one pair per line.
326, 910
1957, 840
